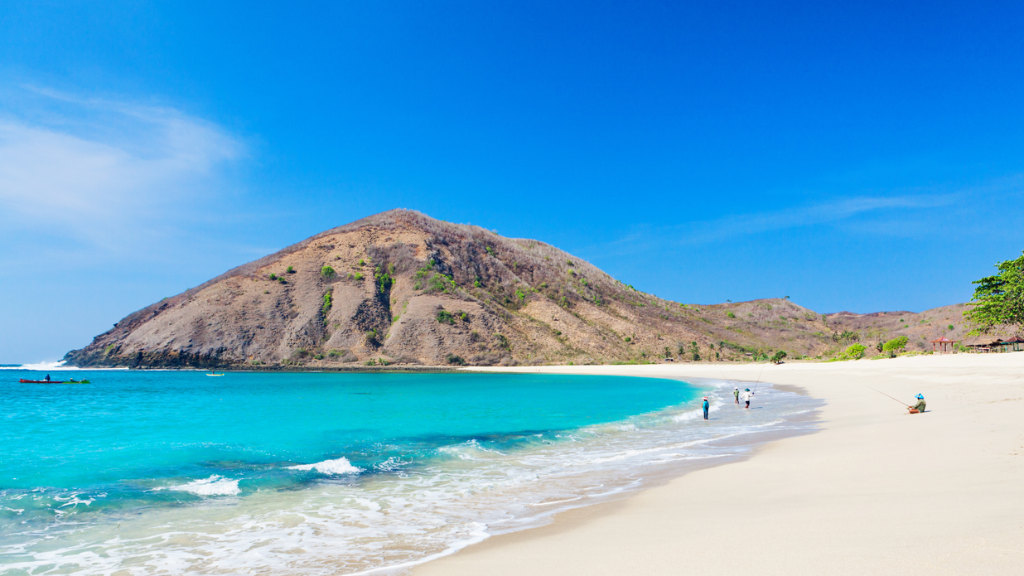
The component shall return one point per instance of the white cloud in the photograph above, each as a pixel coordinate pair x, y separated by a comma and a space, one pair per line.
93, 170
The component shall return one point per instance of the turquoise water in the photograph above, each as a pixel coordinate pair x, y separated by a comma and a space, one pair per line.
150, 471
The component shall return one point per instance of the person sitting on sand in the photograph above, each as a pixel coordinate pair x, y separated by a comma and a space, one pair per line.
736, 394
706, 406
919, 407
747, 395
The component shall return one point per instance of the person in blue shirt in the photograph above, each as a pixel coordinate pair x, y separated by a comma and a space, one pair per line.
706, 406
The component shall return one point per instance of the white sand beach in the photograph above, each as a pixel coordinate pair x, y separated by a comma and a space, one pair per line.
876, 491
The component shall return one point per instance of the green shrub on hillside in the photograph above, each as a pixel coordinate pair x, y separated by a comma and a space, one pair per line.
729, 314
327, 272
273, 276
453, 359
290, 270
325, 309
445, 317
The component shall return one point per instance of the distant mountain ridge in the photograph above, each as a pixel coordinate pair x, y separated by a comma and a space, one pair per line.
402, 288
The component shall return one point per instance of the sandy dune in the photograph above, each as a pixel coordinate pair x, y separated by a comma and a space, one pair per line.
875, 492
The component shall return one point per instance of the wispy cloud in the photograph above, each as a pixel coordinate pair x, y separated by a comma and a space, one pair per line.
880, 214
93, 170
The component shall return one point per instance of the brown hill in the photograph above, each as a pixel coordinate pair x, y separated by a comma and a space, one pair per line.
403, 288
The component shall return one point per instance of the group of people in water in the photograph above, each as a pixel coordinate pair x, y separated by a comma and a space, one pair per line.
746, 395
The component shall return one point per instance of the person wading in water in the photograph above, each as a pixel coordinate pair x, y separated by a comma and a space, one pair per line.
736, 394
747, 395
706, 406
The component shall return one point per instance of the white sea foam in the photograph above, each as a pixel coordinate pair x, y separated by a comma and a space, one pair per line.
52, 367
336, 466
212, 486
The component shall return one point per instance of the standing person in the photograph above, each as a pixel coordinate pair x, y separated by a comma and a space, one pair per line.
47, 377
736, 394
706, 406
747, 395
919, 407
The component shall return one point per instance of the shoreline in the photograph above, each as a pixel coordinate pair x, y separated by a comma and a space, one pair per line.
872, 491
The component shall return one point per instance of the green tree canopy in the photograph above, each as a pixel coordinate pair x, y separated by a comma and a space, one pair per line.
895, 345
998, 300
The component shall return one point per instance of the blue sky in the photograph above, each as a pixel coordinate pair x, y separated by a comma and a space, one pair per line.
863, 158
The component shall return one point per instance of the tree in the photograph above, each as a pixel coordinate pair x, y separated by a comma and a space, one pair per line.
895, 345
855, 351
777, 358
880, 346
998, 300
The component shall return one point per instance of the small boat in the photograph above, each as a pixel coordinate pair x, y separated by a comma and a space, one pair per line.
23, 381
214, 374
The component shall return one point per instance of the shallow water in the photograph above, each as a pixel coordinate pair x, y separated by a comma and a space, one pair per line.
303, 473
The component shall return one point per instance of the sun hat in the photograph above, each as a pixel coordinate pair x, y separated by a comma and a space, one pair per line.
919, 397
747, 389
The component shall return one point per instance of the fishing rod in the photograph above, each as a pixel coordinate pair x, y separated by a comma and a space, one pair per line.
758, 379
884, 394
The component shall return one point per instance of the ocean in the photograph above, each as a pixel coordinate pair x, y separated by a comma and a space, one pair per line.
148, 472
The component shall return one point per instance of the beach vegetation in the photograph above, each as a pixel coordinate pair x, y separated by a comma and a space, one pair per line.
318, 356
894, 346
456, 360
729, 314
327, 272
694, 352
778, 356
372, 338
998, 300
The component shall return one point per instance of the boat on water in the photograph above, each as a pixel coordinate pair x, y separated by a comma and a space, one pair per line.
214, 374
72, 381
